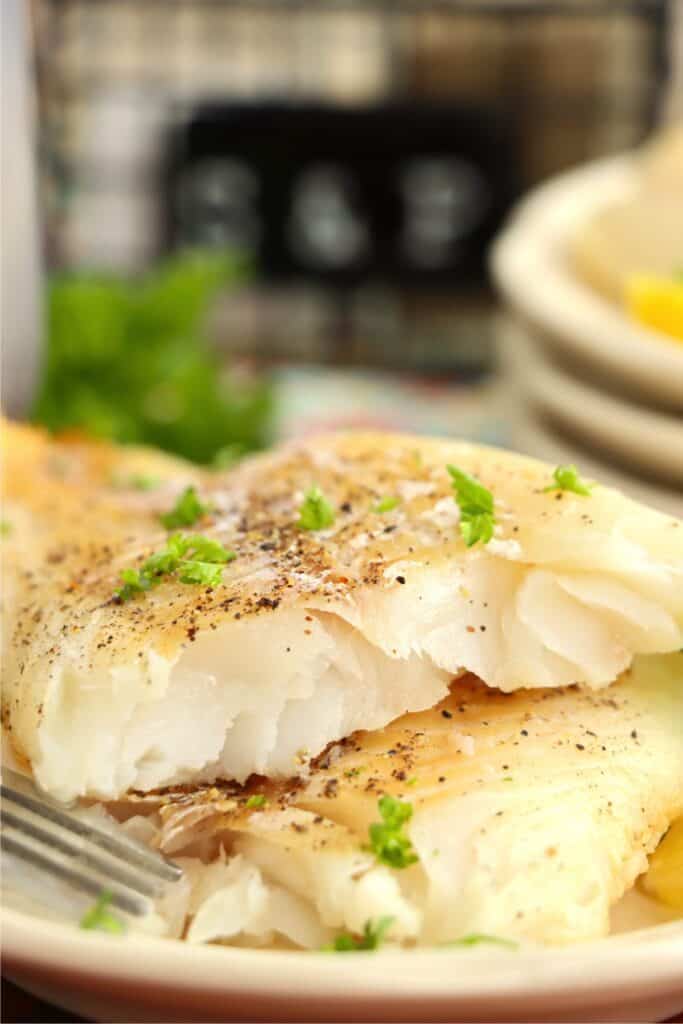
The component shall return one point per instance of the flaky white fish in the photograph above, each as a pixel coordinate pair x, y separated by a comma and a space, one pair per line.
310, 634
532, 814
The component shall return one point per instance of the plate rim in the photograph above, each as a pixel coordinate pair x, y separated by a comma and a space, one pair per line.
601, 418
623, 963
567, 311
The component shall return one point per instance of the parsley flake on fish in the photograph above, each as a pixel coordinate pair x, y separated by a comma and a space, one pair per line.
256, 802
100, 918
202, 573
372, 938
385, 505
476, 507
388, 841
480, 939
135, 482
192, 559
567, 478
315, 512
187, 510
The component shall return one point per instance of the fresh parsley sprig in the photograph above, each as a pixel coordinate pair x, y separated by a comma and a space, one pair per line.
315, 512
191, 559
476, 507
371, 939
568, 478
256, 802
187, 510
385, 505
388, 841
100, 918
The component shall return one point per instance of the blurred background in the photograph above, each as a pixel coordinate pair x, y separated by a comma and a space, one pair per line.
227, 223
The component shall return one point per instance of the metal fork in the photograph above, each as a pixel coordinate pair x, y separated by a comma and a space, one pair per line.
40, 832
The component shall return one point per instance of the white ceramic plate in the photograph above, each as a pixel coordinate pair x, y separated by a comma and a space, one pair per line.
636, 976
647, 441
533, 436
531, 267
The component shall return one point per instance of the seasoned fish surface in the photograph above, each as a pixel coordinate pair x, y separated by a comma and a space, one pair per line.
533, 812
311, 634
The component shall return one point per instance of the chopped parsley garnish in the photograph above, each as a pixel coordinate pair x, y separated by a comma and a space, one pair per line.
388, 841
256, 801
315, 512
100, 918
476, 507
136, 482
205, 574
5, 528
372, 938
567, 478
191, 559
385, 505
228, 455
480, 939
186, 511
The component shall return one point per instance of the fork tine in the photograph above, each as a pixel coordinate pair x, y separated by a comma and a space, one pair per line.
77, 850
17, 844
20, 794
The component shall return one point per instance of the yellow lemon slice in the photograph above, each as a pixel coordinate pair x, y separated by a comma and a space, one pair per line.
664, 879
657, 302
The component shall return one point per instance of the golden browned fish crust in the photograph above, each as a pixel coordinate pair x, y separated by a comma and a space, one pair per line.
93, 530
532, 812
75, 527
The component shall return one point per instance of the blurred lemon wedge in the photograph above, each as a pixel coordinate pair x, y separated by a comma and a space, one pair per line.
664, 878
657, 302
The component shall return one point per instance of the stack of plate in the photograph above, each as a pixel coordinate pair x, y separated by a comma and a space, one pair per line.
592, 386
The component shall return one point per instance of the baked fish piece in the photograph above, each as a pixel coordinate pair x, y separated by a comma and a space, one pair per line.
531, 814
272, 618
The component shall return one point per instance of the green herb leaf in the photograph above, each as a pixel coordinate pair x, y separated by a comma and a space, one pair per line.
315, 513
372, 938
476, 507
205, 573
192, 559
567, 478
100, 918
186, 511
5, 528
388, 841
208, 550
134, 582
173, 391
479, 939
135, 482
385, 505
256, 802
